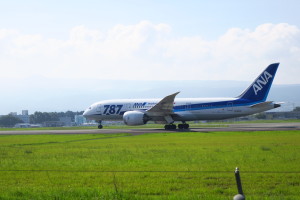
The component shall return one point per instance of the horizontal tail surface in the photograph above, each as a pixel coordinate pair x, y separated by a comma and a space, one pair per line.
259, 89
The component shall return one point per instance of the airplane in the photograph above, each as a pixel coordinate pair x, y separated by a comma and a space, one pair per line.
169, 110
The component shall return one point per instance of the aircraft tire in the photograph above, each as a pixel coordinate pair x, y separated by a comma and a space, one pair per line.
170, 127
180, 126
167, 127
100, 126
183, 126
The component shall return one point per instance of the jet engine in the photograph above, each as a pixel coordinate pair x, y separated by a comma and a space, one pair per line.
134, 118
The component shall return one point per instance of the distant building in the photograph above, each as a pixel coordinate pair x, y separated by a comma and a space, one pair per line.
283, 115
80, 120
25, 125
24, 112
53, 124
24, 117
63, 121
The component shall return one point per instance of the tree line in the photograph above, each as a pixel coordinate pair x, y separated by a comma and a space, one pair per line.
37, 118
41, 117
9, 121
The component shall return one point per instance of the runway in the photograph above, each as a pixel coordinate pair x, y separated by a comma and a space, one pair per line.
139, 131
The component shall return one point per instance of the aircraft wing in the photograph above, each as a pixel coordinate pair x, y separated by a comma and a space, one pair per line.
164, 107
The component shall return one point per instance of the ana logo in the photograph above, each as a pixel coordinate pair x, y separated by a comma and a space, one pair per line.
260, 82
139, 104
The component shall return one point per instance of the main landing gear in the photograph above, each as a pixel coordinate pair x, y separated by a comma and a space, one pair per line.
170, 127
183, 126
100, 125
173, 126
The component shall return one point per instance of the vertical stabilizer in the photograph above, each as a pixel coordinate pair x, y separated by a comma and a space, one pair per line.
259, 89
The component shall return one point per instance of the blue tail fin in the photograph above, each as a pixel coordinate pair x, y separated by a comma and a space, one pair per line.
259, 89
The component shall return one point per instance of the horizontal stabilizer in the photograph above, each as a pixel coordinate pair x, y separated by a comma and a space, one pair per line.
278, 104
263, 104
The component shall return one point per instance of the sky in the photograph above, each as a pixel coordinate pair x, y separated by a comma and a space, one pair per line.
55, 48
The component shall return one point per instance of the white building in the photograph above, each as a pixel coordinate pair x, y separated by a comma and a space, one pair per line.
24, 112
80, 120
24, 117
25, 125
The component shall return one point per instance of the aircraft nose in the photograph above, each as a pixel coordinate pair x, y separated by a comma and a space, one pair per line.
86, 113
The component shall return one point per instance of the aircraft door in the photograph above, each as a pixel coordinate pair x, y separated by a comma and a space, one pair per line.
98, 108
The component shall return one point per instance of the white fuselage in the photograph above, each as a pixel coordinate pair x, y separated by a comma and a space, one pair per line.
185, 109
170, 109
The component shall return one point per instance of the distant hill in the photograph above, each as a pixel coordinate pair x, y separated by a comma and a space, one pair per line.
62, 95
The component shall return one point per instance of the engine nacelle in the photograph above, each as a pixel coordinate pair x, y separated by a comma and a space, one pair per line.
134, 118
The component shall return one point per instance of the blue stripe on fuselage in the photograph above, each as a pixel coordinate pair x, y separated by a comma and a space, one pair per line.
214, 105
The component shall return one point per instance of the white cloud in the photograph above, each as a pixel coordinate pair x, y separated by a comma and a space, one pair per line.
149, 51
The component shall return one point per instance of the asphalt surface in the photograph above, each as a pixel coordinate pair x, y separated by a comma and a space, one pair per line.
139, 131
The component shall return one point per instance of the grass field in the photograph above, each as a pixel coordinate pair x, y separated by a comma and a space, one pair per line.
123, 126
113, 126
151, 166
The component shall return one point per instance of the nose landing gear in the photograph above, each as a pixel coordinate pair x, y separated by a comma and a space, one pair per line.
100, 125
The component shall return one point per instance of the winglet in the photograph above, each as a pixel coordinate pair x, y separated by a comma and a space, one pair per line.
259, 89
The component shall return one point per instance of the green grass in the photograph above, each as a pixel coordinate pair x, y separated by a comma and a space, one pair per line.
151, 166
49, 128
112, 126
264, 121
120, 126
